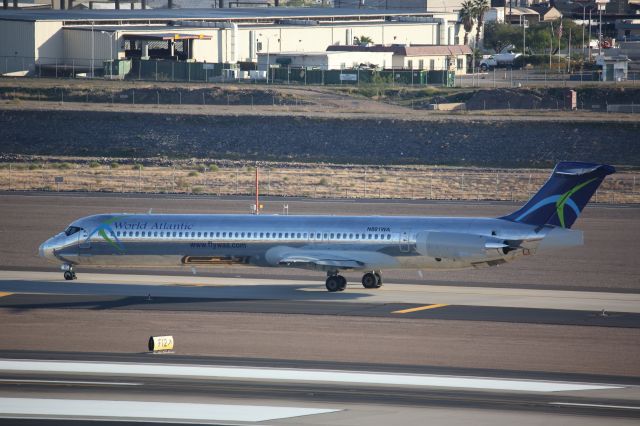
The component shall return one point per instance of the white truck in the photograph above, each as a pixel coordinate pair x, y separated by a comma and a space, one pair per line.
505, 58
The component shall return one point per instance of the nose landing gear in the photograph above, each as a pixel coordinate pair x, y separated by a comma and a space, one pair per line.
69, 273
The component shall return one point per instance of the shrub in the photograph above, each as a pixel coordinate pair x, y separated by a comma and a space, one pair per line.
114, 165
34, 166
202, 168
323, 182
213, 168
193, 173
197, 190
64, 166
137, 167
94, 164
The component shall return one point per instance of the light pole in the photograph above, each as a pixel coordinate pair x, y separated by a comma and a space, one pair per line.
525, 25
602, 4
110, 52
92, 48
268, 56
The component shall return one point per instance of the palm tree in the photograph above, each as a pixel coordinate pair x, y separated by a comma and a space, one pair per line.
467, 15
480, 7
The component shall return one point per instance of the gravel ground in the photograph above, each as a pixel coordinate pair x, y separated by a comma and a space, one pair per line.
341, 140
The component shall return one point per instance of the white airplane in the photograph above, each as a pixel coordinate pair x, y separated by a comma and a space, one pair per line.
333, 243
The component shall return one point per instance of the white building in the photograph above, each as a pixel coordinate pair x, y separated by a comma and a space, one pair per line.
325, 60
86, 37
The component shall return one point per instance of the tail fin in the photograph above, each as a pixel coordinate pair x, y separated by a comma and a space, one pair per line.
571, 185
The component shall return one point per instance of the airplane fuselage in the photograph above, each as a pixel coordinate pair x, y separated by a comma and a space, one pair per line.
259, 240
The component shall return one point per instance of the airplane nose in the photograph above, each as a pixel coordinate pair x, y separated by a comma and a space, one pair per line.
46, 250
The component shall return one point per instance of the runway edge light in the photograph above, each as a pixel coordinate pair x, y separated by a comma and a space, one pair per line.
160, 343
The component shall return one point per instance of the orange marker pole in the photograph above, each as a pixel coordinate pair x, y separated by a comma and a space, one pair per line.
257, 196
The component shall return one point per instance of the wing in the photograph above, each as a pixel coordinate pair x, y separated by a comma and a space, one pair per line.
331, 259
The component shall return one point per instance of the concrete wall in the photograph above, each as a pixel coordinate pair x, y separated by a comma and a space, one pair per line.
49, 38
17, 46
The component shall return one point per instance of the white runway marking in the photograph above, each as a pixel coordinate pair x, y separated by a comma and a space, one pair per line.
282, 374
572, 404
69, 382
162, 411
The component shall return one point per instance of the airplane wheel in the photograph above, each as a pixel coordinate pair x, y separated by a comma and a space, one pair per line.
333, 283
370, 280
379, 280
68, 275
343, 282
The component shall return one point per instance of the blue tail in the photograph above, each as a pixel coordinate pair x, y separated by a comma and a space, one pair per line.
562, 198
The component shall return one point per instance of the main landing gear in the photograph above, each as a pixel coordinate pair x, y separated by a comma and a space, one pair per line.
372, 279
336, 282
69, 273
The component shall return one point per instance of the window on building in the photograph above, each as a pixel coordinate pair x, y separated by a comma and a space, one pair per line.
410, 64
421, 64
460, 63
432, 64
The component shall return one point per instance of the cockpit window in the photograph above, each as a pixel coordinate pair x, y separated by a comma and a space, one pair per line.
71, 230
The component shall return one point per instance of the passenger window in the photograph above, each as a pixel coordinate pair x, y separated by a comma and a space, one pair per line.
161, 234
174, 233
180, 234
304, 236
351, 236
131, 233
286, 235
388, 236
357, 236
280, 235
325, 236
331, 236
118, 233
370, 236
262, 235
338, 235
300, 235
318, 236
218, 234
155, 233
268, 234
375, 236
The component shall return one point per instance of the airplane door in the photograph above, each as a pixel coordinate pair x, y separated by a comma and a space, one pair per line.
404, 242
84, 243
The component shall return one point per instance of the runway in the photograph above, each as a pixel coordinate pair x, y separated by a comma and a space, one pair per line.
551, 337
207, 392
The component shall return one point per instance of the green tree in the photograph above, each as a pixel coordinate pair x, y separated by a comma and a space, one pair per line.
467, 16
363, 40
480, 8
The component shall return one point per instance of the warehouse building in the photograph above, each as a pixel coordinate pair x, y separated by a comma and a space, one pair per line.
85, 39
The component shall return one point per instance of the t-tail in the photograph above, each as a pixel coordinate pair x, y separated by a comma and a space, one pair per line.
562, 198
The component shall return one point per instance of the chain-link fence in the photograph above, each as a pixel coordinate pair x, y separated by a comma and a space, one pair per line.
181, 71
313, 182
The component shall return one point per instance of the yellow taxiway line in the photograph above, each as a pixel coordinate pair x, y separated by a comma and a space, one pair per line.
419, 308
2, 294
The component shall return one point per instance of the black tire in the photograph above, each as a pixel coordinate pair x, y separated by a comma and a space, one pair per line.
343, 282
379, 278
333, 283
484, 68
369, 280
68, 275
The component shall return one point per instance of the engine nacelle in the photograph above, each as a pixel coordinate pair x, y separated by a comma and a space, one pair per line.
453, 245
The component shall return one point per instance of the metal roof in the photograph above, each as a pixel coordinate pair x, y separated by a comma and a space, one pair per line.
242, 14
